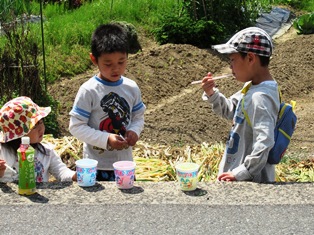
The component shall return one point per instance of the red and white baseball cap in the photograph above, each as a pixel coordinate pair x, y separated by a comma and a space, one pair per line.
18, 117
252, 39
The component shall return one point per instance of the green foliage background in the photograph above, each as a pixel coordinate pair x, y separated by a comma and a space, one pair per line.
68, 25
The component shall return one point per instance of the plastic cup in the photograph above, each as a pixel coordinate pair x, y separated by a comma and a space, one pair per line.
124, 172
187, 175
86, 170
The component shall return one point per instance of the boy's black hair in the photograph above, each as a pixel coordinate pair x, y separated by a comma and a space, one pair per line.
263, 59
109, 38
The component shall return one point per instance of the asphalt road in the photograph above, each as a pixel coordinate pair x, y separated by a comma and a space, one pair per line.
159, 208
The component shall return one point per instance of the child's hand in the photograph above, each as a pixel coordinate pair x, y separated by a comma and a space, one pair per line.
2, 168
226, 176
117, 142
131, 137
74, 177
208, 85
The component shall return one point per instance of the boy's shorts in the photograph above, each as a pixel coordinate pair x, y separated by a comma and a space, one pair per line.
103, 175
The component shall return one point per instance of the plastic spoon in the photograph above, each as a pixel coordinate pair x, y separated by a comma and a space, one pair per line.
124, 140
213, 78
122, 136
10, 168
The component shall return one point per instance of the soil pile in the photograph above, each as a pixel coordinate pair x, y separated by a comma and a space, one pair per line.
176, 113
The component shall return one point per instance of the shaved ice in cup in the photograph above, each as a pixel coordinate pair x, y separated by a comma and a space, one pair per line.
187, 175
86, 170
124, 172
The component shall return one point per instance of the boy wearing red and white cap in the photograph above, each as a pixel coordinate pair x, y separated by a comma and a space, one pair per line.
246, 153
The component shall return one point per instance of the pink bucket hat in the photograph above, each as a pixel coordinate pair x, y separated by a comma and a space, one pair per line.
18, 117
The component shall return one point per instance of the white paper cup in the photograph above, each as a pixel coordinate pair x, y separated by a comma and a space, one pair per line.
86, 170
124, 172
187, 175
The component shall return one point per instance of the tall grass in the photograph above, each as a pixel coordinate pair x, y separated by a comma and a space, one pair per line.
76, 27
305, 5
68, 33
11, 8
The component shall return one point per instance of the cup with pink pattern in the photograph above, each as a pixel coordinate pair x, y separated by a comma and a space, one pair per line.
124, 172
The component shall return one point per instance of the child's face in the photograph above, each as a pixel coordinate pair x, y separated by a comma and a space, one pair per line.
37, 133
111, 66
239, 67
244, 68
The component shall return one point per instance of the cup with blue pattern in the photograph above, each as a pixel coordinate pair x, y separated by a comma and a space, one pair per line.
86, 170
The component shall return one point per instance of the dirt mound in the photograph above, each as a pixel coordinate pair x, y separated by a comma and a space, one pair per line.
176, 113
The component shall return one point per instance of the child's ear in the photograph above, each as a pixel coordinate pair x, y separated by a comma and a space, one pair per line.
93, 58
251, 57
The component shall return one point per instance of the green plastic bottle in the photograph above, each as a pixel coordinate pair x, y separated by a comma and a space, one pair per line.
26, 156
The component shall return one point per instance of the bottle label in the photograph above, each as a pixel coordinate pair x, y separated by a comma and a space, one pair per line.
27, 179
30, 158
23, 156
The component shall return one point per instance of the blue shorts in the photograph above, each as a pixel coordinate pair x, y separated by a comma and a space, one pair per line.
103, 175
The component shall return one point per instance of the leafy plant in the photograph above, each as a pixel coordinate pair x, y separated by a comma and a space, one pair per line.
9, 9
307, 5
203, 23
19, 63
305, 24
184, 30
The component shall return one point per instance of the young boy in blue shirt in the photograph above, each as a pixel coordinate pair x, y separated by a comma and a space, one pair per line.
246, 153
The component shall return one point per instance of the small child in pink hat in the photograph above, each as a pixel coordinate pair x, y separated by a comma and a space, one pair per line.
22, 117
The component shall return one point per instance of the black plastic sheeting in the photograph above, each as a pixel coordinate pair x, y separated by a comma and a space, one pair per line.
275, 20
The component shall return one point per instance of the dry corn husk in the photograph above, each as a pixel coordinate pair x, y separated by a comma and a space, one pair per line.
153, 162
68, 148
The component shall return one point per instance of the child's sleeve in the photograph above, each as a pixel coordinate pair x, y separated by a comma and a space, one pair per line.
6, 155
79, 118
137, 120
58, 168
223, 106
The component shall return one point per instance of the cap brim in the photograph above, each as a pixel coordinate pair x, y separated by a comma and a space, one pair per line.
44, 111
225, 49
40, 114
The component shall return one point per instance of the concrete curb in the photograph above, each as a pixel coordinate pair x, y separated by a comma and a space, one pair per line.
218, 193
